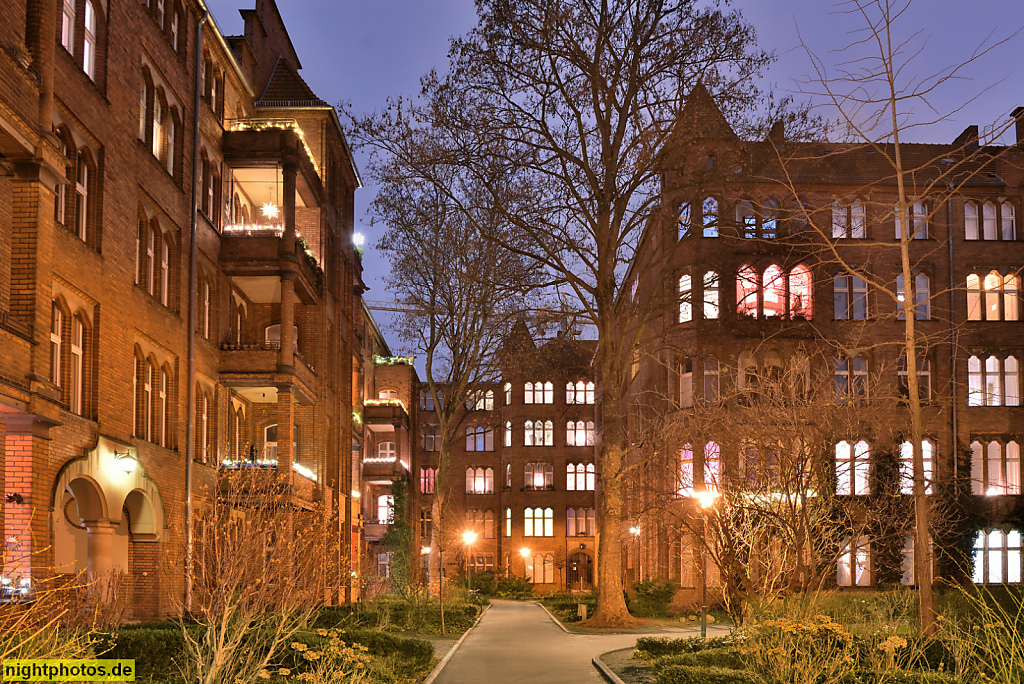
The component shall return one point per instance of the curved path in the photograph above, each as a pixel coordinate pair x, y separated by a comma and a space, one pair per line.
518, 643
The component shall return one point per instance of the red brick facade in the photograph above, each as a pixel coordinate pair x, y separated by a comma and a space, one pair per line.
97, 234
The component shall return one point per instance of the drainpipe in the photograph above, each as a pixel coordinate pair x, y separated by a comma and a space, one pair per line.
954, 341
190, 415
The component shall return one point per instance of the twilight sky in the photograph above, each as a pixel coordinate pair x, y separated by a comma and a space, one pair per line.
365, 50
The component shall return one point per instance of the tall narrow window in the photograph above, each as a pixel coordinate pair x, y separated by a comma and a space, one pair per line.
206, 310
60, 201
147, 405
174, 29
165, 414
89, 43
712, 395
685, 299
67, 26
800, 292
56, 343
508, 433
712, 466
918, 213
150, 259
158, 127
746, 291
686, 383
508, 522
165, 272
711, 295
988, 213
852, 468
686, 470
683, 221
82, 197
1008, 222
774, 293
853, 565
710, 217
971, 221
508, 394
907, 466
77, 343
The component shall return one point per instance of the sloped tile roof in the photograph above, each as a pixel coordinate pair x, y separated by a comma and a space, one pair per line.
287, 89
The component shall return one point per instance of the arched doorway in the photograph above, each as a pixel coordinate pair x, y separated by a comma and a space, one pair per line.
580, 572
107, 516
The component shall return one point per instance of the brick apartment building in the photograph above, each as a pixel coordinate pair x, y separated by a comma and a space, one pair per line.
522, 470
178, 285
756, 294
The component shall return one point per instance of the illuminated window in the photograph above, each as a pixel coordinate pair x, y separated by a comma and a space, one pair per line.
579, 392
580, 522
579, 433
746, 291
539, 433
685, 299
918, 212
580, 477
994, 297
907, 466
56, 343
995, 468
712, 466
538, 476
997, 557
539, 522
774, 294
479, 480
711, 295
800, 292
853, 463
853, 566
67, 26
686, 470
993, 382
428, 477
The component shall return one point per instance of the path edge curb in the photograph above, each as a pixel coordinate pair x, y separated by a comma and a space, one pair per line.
606, 671
448, 656
553, 619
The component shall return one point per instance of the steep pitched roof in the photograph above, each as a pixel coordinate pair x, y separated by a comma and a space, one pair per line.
702, 119
287, 89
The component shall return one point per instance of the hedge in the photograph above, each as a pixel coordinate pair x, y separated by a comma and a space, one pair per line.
724, 658
683, 674
649, 648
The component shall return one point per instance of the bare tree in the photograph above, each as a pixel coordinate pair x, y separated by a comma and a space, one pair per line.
255, 584
461, 292
557, 111
880, 97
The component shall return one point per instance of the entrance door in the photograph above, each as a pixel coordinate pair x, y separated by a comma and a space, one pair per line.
581, 571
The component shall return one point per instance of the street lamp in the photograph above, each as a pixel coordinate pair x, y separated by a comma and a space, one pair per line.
525, 553
468, 538
706, 500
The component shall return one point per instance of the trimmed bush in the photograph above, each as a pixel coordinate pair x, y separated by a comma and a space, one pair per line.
398, 615
897, 677
648, 648
566, 606
652, 597
725, 658
156, 651
683, 674
416, 652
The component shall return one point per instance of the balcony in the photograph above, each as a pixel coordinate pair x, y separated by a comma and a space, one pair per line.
374, 531
237, 473
385, 415
251, 253
255, 365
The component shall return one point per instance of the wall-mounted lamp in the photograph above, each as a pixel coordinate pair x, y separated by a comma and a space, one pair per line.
125, 462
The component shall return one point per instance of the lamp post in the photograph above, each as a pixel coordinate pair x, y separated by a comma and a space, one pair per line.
707, 500
525, 553
468, 538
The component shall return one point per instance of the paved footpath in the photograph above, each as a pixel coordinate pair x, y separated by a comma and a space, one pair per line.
518, 643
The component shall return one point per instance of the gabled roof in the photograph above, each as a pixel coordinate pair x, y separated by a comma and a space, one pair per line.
287, 89
702, 119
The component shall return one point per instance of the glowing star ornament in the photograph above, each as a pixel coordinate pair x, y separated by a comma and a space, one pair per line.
270, 211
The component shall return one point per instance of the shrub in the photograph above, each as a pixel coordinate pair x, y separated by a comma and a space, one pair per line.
896, 677
398, 615
724, 658
157, 651
652, 597
566, 606
683, 674
648, 648
413, 651
513, 587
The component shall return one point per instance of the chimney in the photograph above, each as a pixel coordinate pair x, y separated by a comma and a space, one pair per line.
969, 137
777, 134
1018, 117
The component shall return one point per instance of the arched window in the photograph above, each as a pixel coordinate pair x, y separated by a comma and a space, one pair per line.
746, 291
685, 299
922, 297
852, 468
997, 557
67, 26
579, 433
712, 466
508, 394
994, 297
165, 407
712, 395
851, 379
77, 364
83, 178
89, 41
683, 221
528, 396
1008, 222
746, 220
918, 212
774, 295
549, 392
801, 292
386, 452
971, 231
711, 295
686, 470
710, 217
508, 433
924, 378
56, 343
479, 438
907, 466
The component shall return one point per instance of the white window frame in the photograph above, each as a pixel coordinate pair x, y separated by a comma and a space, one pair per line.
77, 367
853, 468
907, 466
89, 41
854, 565
997, 557
67, 26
